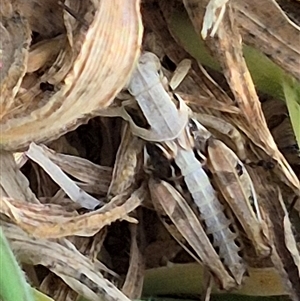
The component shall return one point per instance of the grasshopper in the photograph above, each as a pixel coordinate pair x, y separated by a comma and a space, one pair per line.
210, 210
235, 184
169, 130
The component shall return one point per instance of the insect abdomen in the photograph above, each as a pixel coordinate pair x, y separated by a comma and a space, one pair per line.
211, 211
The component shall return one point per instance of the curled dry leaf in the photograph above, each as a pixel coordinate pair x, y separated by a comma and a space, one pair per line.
98, 74
76, 270
15, 40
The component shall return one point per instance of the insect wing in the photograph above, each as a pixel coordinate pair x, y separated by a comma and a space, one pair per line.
237, 188
174, 205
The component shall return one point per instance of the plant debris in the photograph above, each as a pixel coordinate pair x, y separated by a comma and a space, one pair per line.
97, 193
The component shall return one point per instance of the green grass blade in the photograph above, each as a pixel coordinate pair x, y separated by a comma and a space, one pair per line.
13, 286
39, 296
291, 91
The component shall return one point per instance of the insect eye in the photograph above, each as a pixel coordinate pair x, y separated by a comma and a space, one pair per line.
239, 169
160, 73
192, 125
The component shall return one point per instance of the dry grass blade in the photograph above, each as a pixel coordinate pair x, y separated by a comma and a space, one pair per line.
54, 221
12, 182
210, 103
228, 49
126, 163
267, 27
92, 83
93, 178
77, 271
38, 155
15, 40
279, 123
284, 255
133, 284
43, 52
290, 241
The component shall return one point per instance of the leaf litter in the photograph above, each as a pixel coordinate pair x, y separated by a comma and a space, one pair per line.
77, 194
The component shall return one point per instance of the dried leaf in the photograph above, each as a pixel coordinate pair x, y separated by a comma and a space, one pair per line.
126, 163
54, 221
15, 41
276, 215
95, 178
38, 155
279, 42
44, 52
239, 79
93, 81
133, 284
289, 238
76, 270
13, 183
